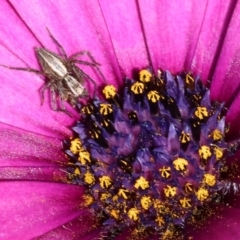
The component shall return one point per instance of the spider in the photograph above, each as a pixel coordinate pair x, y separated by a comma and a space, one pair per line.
64, 78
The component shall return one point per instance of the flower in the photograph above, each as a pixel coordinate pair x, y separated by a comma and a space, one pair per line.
191, 36
154, 158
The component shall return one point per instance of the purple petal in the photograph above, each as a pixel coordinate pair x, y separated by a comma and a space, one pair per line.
173, 141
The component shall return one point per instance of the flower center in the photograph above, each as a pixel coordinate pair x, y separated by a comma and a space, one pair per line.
151, 157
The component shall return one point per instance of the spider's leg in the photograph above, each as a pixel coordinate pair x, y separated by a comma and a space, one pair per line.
61, 103
83, 62
78, 74
81, 53
73, 101
42, 90
94, 63
80, 77
53, 98
91, 80
25, 69
61, 100
62, 51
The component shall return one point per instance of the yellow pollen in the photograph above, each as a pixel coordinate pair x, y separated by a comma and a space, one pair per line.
185, 202
124, 205
105, 196
201, 112
89, 178
84, 157
180, 164
106, 123
133, 214
227, 128
138, 232
218, 153
124, 162
105, 181
217, 135
109, 91
204, 152
170, 100
88, 200
170, 191
77, 172
160, 83
95, 133
122, 193
153, 96
157, 203
168, 234
197, 97
202, 194
188, 188
141, 182
209, 179
189, 79
115, 198
165, 172
76, 146
87, 109
160, 221
137, 88
146, 202
115, 213
196, 124
145, 76
224, 169
184, 137
105, 108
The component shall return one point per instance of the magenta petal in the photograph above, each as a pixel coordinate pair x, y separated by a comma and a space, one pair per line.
233, 116
22, 148
46, 174
122, 36
124, 236
20, 103
125, 29
38, 208
220, 227
79, 228
77, 26
225, 83
20, 100
185, 34
19, 41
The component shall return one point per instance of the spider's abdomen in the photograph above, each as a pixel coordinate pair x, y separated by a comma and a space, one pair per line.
51, 64
74, 86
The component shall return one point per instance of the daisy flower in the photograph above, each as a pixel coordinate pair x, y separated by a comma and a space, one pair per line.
153, 167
